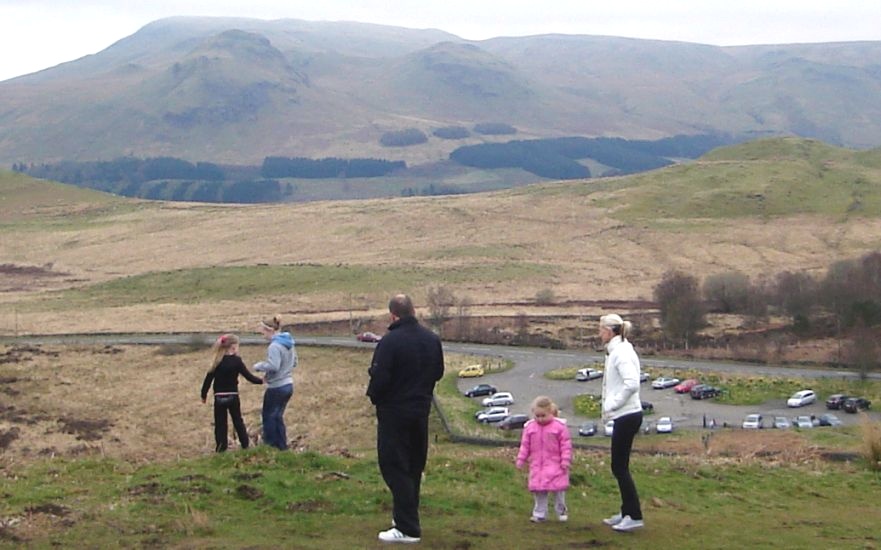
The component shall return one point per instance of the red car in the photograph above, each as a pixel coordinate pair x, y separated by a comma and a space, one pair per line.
685, 386
369, 337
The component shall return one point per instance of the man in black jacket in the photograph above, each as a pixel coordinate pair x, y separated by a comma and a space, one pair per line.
407, 363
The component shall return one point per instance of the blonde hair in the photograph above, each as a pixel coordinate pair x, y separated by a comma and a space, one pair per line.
544, 403
220, 346
616, 324
272, 324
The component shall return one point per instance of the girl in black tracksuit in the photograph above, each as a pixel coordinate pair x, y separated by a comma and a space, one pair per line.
225, 371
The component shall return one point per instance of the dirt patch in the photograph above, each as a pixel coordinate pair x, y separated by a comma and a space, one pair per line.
85, 430
17, 278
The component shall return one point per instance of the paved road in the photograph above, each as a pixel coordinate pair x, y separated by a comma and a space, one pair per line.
526, 380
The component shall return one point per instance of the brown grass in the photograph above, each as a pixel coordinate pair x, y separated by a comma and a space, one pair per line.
135, 403
594, 256
871, 431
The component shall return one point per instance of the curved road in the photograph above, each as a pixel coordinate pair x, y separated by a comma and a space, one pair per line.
527, 379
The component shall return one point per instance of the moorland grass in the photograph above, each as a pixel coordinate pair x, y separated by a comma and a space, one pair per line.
472, 497
217, 283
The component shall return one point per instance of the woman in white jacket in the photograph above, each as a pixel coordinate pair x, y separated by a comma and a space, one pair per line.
621, 404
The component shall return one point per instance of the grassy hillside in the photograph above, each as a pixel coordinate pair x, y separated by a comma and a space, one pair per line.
84, 464
759, 208
768, 179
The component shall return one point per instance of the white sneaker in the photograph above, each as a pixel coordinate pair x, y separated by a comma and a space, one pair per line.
614, 520
627, 524
536, 519
393, 535
563, 517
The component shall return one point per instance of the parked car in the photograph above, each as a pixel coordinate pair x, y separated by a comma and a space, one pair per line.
643, 377
492, 414
481, 389
664, 382
513, 422
609, 428
801, 398
685, 386
588, 429
587, 373
499, 399
369, 337
855, 404
705, 391
836, 400
829, 420
753, 422
804, 422
471, 371
782, 423
664, 425
647, 406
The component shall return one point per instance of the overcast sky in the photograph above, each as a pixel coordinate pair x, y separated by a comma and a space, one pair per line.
37, 34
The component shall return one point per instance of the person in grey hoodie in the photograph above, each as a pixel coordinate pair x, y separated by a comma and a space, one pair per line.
281, 358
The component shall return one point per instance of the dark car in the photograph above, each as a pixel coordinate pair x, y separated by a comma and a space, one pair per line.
704, 391
835, 401
513, 422
648, 407
855, 404
588, 429
481, 389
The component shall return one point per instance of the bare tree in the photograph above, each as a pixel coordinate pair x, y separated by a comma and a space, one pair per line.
463, 317
727, 292
681, 309
440, 301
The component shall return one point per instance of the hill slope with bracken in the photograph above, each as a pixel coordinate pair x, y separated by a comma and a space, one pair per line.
238, 90
116, 264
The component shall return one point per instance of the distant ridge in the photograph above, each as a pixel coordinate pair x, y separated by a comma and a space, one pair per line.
232, 90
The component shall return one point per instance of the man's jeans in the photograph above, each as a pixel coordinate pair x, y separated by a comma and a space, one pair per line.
275, 400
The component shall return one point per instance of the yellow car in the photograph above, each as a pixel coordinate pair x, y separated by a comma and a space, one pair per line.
471, 371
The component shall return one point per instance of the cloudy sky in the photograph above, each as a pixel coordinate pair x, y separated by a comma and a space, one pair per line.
37, 34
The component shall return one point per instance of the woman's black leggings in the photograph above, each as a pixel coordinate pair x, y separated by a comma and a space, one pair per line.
626, 427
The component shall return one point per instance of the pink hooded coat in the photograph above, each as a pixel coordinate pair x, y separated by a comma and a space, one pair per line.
548, 448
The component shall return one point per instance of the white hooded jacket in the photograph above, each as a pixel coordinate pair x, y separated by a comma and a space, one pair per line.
620, 380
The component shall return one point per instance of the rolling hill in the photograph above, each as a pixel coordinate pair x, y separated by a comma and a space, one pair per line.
111, 264
238, 90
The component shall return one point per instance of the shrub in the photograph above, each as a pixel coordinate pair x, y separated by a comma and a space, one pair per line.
872, 443
545, 297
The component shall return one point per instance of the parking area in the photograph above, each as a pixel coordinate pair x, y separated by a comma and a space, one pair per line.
526, 381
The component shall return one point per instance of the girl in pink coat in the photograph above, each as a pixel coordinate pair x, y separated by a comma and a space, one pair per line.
547, 445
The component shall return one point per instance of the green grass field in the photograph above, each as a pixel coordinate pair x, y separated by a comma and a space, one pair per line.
472, 498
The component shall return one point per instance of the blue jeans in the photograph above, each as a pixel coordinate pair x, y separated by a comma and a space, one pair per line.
274, 402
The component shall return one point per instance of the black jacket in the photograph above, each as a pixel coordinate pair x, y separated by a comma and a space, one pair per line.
226, 376
407, 363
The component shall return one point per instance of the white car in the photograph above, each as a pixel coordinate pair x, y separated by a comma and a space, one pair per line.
804, 422
609, 428
643, 377
753, 422
664, 425
664, 382
801, 398
587, 373
492, 414
499, 399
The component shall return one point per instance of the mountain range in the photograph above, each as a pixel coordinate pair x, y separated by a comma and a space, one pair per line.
237, 90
